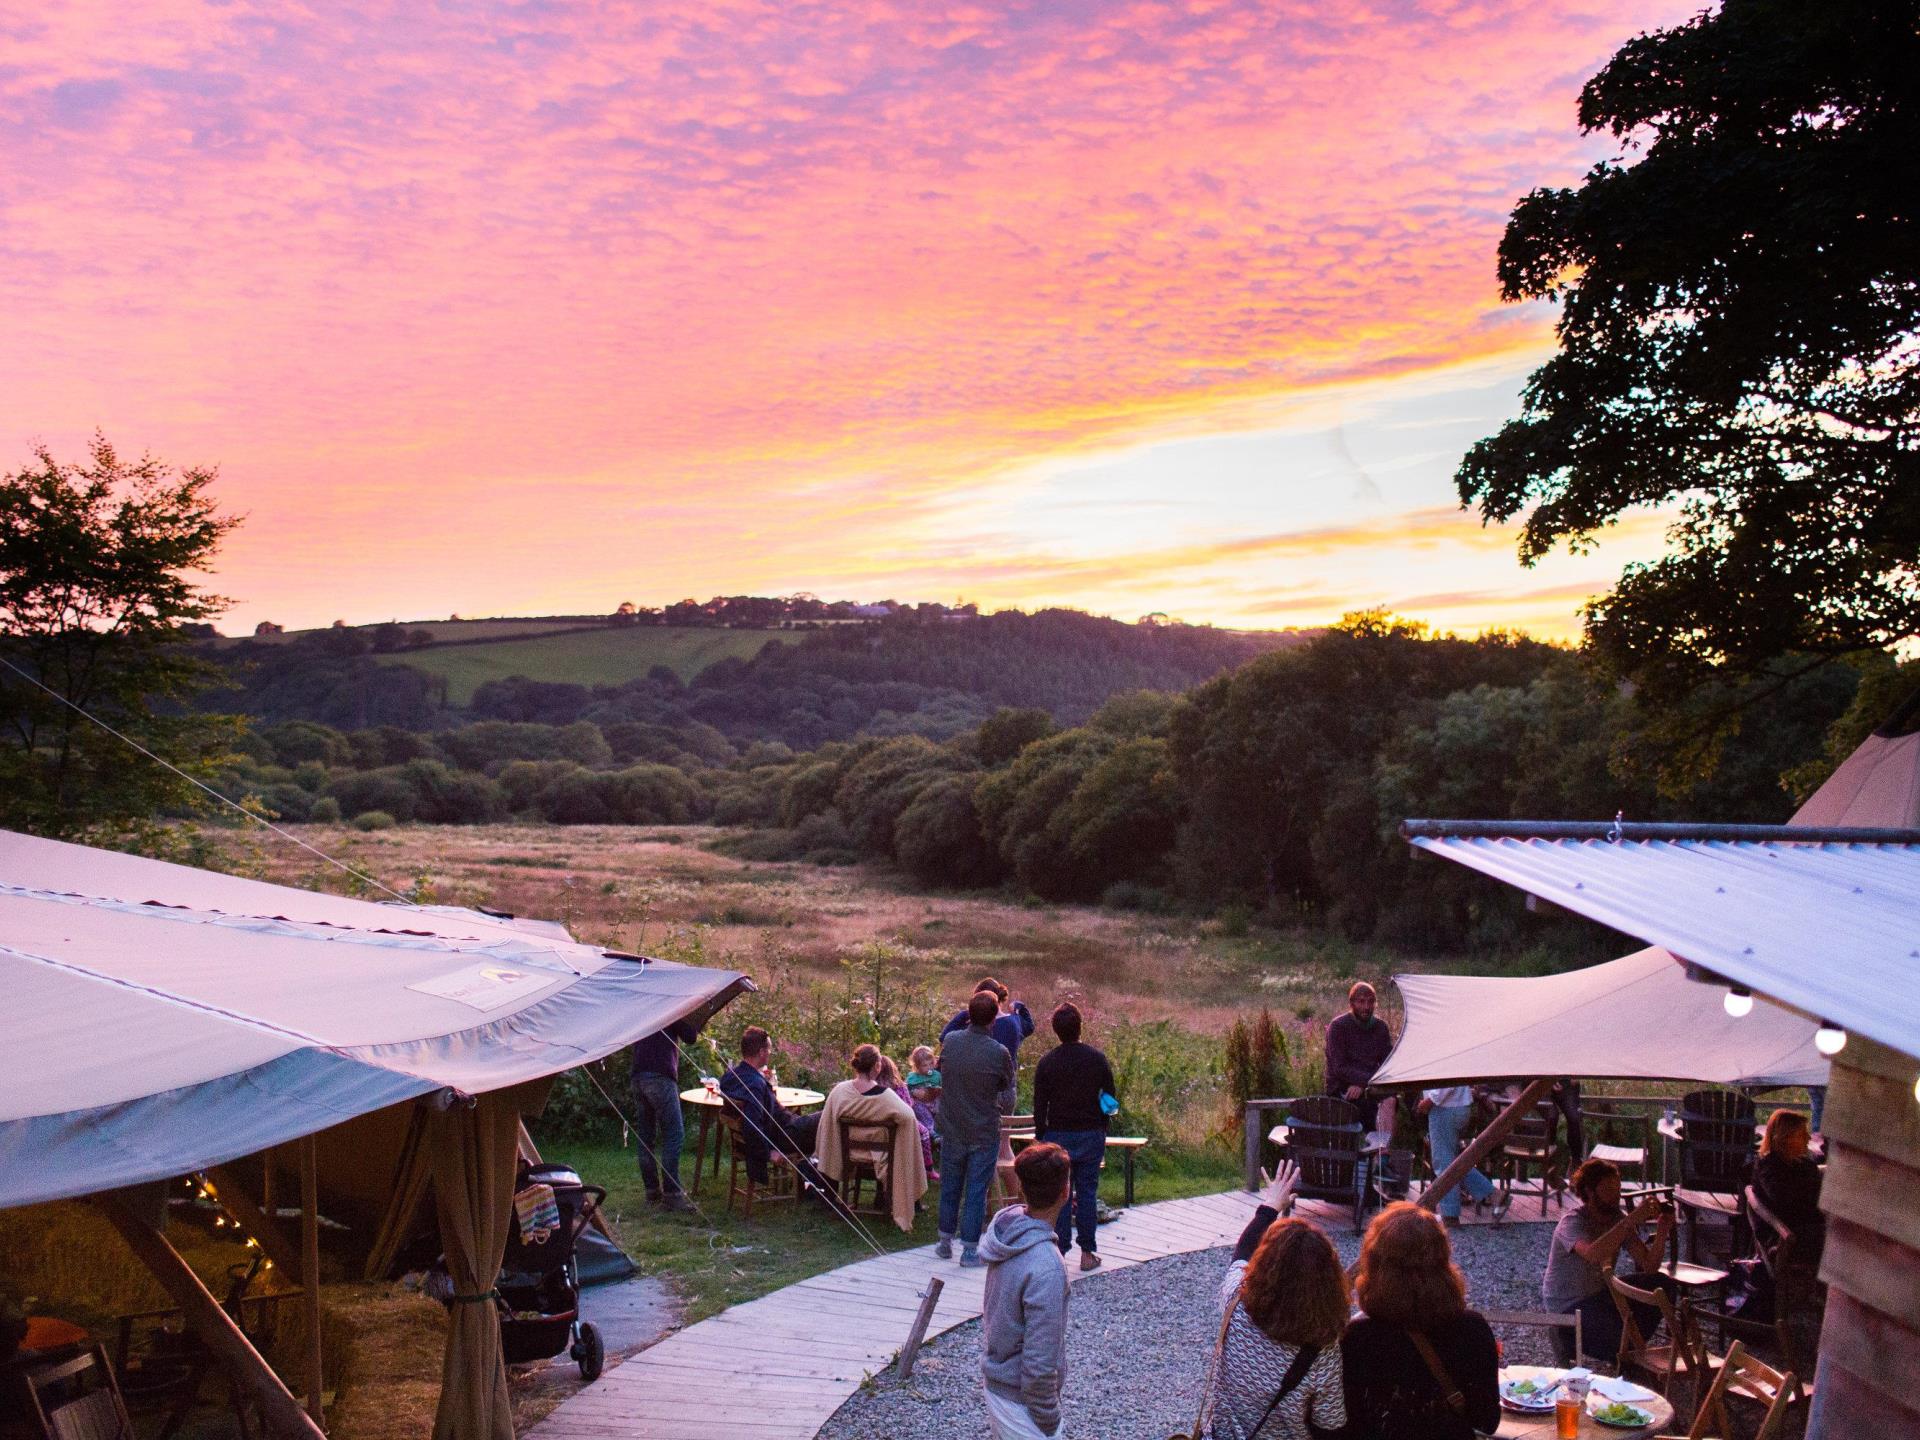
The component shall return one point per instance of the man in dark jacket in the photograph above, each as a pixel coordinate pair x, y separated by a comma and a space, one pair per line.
1358, 1044
657, 1122
764, 1121
976, 1089
1069, 1086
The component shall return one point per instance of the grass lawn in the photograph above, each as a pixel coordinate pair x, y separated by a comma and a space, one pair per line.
714, 1260
588, 657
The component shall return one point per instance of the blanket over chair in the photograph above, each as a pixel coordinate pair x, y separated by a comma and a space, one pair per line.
904, 1173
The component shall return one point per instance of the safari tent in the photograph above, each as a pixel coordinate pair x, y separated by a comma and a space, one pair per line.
164, 1021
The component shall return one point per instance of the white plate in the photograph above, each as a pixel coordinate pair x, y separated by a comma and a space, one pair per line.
1529, 1404
1646, 1418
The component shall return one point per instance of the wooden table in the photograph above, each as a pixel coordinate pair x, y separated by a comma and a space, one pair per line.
708, 1104
1541, 1427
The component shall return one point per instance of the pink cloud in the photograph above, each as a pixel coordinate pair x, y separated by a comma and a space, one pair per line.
435, 283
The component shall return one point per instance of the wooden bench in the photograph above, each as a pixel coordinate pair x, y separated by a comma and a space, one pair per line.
1128, 1145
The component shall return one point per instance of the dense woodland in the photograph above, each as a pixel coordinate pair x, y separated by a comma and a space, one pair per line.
1274, 788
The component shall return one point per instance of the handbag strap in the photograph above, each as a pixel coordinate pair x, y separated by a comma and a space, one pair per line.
1296, 1372
1456, 1402
1213, 1369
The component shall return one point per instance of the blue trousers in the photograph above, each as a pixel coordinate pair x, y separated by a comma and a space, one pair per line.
965, 1173
1085, 1148
1443, 1133
661, 1130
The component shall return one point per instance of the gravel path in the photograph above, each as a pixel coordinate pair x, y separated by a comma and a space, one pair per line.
1137, 1340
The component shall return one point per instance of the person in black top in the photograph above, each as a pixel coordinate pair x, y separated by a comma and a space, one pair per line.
1788, 1184
1067, 1111
1411, 1292
764, 1121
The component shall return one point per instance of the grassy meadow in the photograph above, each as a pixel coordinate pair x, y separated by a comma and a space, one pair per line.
601, 656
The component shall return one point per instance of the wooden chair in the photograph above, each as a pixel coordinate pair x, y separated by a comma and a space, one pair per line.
1613, 1114
781, 1183
866, 1148
1545, 1320
1004, 1189
1795, 1288
1530, 1147
1685, 1353
1716, 1152
78, 1399
1324, 1135
1742, 1374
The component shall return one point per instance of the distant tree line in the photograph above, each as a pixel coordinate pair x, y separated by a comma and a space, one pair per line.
1275, 788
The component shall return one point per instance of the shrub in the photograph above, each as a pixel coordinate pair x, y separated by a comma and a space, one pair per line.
374, 820
325, 810
937, 837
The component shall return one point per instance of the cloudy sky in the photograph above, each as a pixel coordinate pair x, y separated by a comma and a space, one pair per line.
524, 308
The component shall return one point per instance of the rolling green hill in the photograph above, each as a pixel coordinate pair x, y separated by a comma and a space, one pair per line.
586, 657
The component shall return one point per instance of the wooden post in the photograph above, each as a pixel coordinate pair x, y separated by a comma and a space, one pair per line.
928, 1299
1495, 1132
257, 1223
1255, 1126
281, 1412
310, 1267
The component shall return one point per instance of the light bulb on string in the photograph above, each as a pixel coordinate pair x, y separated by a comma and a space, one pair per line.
1829, 1039
1738, 1001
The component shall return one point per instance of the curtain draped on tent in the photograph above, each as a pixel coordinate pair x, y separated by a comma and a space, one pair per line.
473, 1152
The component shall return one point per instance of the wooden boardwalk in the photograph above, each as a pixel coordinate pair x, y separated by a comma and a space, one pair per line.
776, 1368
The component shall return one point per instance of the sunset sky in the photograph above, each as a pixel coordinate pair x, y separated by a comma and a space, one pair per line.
535, 308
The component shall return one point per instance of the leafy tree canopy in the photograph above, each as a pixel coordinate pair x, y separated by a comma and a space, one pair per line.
96, 584
1739, 339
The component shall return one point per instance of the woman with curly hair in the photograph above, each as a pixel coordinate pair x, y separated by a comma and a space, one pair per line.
1419, 1364
1276, 1375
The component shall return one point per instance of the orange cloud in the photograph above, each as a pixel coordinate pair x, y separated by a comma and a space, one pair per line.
490, 309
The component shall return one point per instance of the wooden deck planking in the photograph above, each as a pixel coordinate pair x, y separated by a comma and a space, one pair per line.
777, 1368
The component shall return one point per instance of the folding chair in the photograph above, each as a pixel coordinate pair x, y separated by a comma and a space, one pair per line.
1742, 1374
78, 1399
1530, 1146
1685, 1353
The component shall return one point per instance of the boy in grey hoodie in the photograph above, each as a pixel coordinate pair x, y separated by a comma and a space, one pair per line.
1026, 1307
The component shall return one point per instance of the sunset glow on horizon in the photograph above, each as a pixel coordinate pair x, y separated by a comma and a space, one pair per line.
523, 309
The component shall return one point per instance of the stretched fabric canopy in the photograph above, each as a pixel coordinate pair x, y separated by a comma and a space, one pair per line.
1638, 1017
160, 1019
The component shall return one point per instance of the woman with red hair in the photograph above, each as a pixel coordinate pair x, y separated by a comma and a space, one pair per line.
1419, 1364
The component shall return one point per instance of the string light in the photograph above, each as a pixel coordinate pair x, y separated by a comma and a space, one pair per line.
1738, 1002
1829, 1039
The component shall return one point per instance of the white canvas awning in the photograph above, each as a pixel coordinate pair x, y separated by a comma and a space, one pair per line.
1638, 1017
160, 1019
1829, 928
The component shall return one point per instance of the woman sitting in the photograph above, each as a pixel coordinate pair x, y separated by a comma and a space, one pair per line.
1419, 1364
1788, 1183
867, 1104
1587, 1244
1277, 1373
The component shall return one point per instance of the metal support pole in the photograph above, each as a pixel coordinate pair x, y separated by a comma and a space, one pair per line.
310, 1269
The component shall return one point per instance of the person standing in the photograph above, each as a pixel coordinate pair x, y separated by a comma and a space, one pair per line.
1024, 1317
1447, 1111
1358, 1044
1013, 1022
976, 1089
657, 1121
1072, 1086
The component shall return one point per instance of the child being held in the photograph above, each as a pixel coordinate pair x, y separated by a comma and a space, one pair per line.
923, 1080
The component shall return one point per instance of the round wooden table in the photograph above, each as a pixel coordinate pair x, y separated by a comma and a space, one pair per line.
707, 1104
1541, 1427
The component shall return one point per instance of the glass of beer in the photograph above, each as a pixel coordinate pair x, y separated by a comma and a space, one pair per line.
1566, 1416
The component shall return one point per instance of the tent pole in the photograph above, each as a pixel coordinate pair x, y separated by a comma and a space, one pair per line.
281, 1412
257, 1223
310, 1267
1533, 1094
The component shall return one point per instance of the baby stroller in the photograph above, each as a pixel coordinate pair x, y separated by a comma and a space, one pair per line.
539, 1281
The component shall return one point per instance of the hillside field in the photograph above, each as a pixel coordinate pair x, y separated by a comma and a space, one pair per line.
587, 657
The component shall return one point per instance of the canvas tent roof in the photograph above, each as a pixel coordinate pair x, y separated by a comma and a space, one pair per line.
1638, 1017
160, 1019
1831, 929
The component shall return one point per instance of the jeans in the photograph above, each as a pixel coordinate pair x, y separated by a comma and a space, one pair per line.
660, 1129
968, 1172
1085, 1148
1443, 1133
